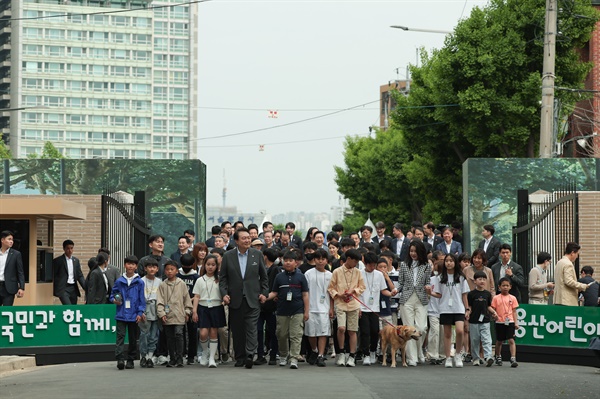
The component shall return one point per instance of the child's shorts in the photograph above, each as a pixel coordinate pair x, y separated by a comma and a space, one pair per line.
504, 332
449, 319
317, 325
348, 319
213, 317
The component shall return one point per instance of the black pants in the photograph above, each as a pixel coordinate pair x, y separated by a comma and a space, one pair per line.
132, 331
242, 324
174, 334
191, 339
6, 299
69, 295
368, 324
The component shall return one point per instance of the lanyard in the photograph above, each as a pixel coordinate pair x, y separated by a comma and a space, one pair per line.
372, 280
208, 290
149, 292
506, 308
321, 288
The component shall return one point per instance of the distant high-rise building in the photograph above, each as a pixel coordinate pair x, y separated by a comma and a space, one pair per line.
99, 78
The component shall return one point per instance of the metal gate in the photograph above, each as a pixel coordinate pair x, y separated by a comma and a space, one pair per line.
546, 226
124, 228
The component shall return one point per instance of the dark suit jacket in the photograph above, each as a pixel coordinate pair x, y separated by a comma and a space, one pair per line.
297, 241
376, 239
436, 240
517, 279
176, 256
14, 277
254, 283
97, 292
493, 250
455, 247
210, 242
403, 251
61, 274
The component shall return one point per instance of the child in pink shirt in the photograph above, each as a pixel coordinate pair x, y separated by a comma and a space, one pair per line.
506, 306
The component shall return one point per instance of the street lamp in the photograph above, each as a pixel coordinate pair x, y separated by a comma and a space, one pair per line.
406, 28
581, 141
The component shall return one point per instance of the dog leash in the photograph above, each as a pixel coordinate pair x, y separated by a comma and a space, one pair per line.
372, 311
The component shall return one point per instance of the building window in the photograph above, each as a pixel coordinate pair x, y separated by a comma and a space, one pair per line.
161, 28
159, 109
32, 101
179, 126
181, 45
98, 86
140, 105
33, 33
55, 34
99, 53
179, 29
119, 137
119, 87
120, 121
53, 118
97, 153
53, 84
76, 52
32, 49
178, 143
32, 117
161, 60
75, 153
32, 83
32, 66
119, 154
180, 12
121, 37
139, 55
140, 88
141, 22
77, 35
159, 126
30, 134
141, 138
178, 93
160, 93
120, 54
99, 19
53, 135
161, 77
29, 151
78, 69
76, 102
178, 110
119, 20
53, 101
98, 120
75, 136
98, 70
98, 103
54, 67
76, 85
120, 71
179, 78
161, 44
120, 104
140, 121
77, 18
141, 72
96, 137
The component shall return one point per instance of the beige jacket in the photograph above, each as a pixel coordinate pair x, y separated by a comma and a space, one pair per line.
538, 281
566, 286
174, 296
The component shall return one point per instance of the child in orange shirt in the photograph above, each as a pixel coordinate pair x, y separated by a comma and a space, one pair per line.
506, 306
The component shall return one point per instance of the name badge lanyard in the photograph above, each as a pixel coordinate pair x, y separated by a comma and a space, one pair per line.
289, 294
209, 300
149, 292
167, 307
321, 289
348, 282
371, 299
507, 310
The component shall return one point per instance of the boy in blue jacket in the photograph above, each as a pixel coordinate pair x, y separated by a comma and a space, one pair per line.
128, 294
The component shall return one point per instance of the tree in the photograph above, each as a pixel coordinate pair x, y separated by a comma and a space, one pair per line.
4, 149
478, 96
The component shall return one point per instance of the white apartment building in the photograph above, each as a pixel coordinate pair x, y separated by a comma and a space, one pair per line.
99, 78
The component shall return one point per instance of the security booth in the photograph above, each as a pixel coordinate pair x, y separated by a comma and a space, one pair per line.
31, 219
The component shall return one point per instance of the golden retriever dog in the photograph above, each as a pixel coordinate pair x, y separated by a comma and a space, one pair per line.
397, 337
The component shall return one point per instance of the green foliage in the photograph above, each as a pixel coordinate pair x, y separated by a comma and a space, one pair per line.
4, 149
478, 96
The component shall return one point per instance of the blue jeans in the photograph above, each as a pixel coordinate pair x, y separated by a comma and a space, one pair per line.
149, 338
480, 333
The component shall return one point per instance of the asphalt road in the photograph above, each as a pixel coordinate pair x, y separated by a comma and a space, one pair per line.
103, 380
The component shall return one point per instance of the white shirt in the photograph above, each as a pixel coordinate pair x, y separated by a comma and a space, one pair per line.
318, 297
433, 308
451, 300
3, 258
374, 283
487, 243
208, 289
70, 278
399, 245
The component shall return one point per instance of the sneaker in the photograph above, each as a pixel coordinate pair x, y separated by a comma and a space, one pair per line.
179, 364
448, 364
150, 363
171, 364
458, 362
204, 360
421, 360
341, 360
129, 364
162, 360
154, 360
283, 361
190, 361
351, 362
272, 361
120, 364
212, 364
294, 364
467, 358
321, 361
301, 359
366, 360
358, 357
489, 361
498, 360
434, 362
411, 363
312, 358
513, 362
477, 362
333, 355
143, 362
224, 357
260, 361
373, 356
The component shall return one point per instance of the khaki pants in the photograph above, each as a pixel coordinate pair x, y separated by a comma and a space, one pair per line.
537, 301
289, 335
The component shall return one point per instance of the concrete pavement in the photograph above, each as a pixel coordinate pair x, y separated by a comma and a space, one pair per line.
103, 380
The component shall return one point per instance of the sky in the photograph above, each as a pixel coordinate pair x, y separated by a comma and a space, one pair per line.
303, 59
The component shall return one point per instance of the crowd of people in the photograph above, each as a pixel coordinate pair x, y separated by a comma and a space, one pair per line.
274, 298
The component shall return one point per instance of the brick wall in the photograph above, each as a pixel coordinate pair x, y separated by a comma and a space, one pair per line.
589, 230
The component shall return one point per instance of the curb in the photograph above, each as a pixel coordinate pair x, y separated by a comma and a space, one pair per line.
14, 363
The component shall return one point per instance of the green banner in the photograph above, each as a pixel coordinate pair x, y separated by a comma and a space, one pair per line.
566, 326
42, 326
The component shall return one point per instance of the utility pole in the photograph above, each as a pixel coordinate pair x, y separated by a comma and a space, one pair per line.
548, 77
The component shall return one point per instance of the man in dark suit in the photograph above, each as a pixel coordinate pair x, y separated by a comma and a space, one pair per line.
215, 231
507, 268
400, 243
490, 244
12, 277
244, 286
430, 237
294, 239
449, 246
380, 236
67, 272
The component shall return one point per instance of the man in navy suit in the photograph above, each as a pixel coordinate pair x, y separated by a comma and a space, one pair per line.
244, 285
400, 243
430, 237
449, 246
490, 244
380, 229
294, 240
67, 273
12, 277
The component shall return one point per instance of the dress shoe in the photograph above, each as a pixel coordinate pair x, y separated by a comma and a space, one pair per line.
260, 361
249, 362
240, 363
